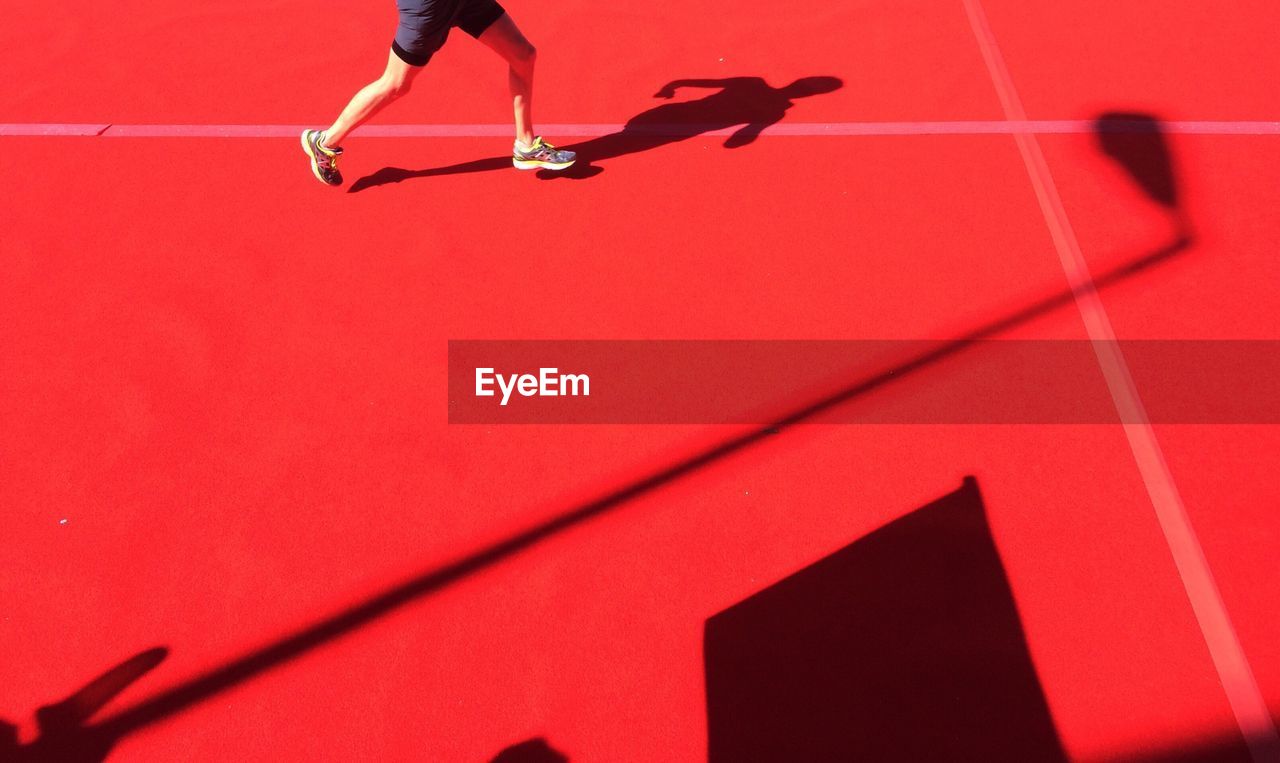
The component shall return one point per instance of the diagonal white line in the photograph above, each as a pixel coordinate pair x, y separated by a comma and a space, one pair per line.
1251, 713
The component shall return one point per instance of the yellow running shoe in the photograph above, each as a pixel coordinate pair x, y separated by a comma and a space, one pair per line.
324, 160
541, 156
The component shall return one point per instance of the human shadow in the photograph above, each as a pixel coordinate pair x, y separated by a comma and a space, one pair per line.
65, 735
748, 103
904, 645
531, 751
247, 666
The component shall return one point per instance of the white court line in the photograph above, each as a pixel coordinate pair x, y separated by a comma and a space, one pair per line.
1251, 712
784, 128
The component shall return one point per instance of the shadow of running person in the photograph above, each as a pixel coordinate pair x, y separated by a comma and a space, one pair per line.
747, 103
65, 735
531, 751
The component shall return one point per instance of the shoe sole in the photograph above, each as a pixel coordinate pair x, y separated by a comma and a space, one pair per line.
315, 166
526, 164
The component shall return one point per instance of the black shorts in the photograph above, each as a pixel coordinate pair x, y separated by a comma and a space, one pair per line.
424, 25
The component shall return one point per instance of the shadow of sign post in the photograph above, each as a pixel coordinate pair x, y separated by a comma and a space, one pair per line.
67, 736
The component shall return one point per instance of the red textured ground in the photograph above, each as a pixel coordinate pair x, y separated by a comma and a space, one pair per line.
229, 380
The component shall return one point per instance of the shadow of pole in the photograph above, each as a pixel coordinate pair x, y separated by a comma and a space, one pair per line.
211, 683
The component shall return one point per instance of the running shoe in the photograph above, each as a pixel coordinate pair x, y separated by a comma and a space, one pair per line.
324, 160
541, 156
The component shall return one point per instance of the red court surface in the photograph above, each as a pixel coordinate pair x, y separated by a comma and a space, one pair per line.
226, 424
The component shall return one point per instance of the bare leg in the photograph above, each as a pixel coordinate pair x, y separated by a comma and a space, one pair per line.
371, 99
507, 41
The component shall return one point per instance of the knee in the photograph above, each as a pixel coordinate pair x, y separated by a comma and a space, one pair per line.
525, 54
